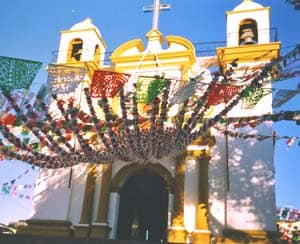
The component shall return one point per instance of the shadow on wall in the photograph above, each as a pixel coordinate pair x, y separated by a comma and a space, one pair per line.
250, 193
53, 188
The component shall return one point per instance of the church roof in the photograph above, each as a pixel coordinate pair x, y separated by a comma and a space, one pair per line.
247, 5
85, 24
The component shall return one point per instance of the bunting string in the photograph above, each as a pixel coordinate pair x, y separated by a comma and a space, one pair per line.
143, 130
290, 140
17, 190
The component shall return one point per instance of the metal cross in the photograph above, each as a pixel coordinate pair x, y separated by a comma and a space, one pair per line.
155, 8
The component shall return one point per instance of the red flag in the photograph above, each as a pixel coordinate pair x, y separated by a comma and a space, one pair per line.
107, 83
290, 141
8, 119
222, 93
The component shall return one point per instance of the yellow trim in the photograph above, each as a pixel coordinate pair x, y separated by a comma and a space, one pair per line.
202, 209
202, 237
87, 205
84, 30
46, 227
185, 58
248, 10
155, 35
180, 40
249, 53
117, 53
127, 171
177, 232
104, 194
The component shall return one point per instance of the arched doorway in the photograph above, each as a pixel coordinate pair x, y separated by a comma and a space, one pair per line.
143, 210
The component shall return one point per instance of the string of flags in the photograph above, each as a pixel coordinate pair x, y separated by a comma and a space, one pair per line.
290, 140
46, 139
18, 190
288, 214
284, 95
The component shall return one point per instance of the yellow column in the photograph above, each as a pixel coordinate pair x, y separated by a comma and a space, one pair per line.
202, 234
177, 232
100, 227
202, 209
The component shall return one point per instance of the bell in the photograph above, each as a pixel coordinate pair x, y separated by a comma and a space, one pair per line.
247, 37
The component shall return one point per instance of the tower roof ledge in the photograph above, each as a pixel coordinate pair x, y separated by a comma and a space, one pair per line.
247, 5
85, 24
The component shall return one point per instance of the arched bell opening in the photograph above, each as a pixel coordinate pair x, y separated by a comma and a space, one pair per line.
248, 33
97, 54
75, 50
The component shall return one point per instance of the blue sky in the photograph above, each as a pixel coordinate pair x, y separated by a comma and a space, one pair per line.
30, 29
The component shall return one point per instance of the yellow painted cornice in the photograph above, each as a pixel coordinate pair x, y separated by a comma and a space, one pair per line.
84, 30
249, 53
150, 56
117, 53
154, 35
180, 40
248, 10
180, 58
132, 54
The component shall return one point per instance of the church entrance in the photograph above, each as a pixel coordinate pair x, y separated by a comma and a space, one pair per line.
143, 212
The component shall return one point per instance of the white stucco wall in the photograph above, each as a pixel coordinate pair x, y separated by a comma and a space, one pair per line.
78, 183
249, 202
52, 194
251, 196
217, 184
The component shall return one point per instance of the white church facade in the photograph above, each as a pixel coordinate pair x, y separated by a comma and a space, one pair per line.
220, 189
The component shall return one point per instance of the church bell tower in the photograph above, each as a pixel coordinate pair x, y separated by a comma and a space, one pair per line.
248, 35
80, 44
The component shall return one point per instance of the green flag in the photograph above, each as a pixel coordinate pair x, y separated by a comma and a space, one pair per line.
17, 73
149, 87
252, 95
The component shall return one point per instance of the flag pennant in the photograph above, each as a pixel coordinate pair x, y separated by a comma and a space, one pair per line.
290, 141
64, 79
185, 92
7, 119
107, 83
222, 93
282, 96
147, 88
17, 73
252, 95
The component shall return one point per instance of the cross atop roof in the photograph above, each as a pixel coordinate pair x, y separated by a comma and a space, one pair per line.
156, 8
